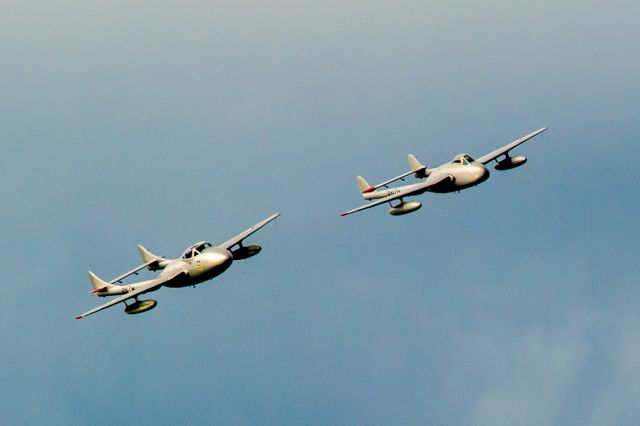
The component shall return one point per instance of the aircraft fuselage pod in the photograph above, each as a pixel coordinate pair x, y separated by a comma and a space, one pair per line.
464, 172
200, 262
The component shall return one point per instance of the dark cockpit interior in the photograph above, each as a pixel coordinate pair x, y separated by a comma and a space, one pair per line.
195, 249
462, 159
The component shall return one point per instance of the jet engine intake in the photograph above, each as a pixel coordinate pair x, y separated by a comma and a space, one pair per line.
140, 306
405, 208
510, 163
245, 252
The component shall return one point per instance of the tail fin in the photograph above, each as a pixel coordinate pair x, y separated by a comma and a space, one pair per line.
147, 257
98, 284
363, 185
415, 165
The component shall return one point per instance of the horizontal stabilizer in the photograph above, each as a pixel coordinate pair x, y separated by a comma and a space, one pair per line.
418, 169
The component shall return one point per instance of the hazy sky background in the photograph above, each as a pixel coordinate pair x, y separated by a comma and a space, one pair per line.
166, 122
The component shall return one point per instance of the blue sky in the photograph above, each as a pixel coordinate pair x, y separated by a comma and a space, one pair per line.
165, 123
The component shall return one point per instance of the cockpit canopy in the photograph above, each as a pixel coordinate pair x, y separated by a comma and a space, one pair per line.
462, 159
195, 249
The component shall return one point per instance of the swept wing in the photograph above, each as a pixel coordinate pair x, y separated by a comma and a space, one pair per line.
241, 236
409, 190
143, 288
505, 149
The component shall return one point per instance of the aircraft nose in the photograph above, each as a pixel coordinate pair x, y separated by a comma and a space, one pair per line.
484, 174
219, 258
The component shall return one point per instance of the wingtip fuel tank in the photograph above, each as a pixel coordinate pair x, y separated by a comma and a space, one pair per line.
246, 252
140, 306
510, 163
405, 208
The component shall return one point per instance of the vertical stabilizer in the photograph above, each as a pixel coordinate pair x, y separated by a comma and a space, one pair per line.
363, 185
99, 285
148, 257
416, 166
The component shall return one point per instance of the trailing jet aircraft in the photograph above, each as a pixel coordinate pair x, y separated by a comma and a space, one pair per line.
461, 173
199, 262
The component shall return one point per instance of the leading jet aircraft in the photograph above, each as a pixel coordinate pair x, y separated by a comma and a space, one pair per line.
199, 262
460, 173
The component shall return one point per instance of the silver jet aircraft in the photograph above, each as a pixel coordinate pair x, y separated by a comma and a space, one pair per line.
200, 262
461, 173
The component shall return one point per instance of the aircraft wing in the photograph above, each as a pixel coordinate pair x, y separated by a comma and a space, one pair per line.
143, 288
410, 190
505, 149
241, 236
